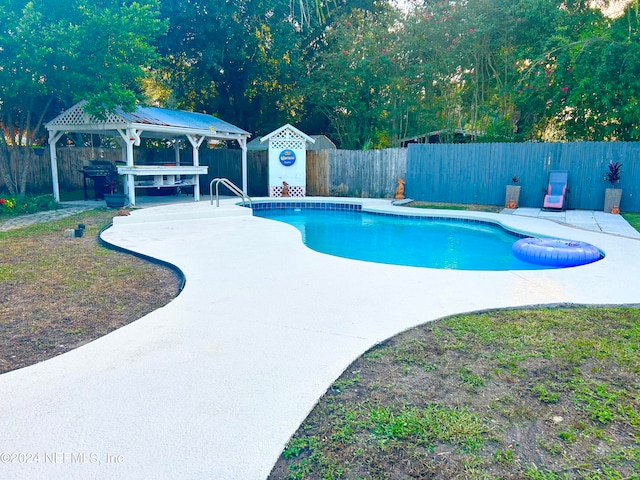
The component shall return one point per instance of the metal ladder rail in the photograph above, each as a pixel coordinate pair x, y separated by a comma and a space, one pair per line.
231, 186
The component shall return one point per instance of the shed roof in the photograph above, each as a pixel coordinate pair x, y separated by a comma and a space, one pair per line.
453, 135
152, 122
288, 130
322, 142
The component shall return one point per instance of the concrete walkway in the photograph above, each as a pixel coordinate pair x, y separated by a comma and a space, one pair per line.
213, 384
66, 210
73, 207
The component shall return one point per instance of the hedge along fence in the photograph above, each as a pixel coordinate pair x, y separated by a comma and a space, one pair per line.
478, 173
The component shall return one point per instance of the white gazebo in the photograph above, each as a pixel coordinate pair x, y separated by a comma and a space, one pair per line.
128, 128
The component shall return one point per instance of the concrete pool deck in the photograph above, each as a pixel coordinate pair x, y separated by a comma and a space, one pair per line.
213, 384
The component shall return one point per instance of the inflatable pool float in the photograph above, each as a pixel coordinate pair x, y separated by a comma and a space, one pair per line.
553, 252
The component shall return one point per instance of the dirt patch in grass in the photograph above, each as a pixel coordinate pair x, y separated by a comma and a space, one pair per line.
455, 206
59, 293
525, 394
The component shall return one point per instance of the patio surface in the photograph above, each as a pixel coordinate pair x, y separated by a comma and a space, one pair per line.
587, 219
213, 384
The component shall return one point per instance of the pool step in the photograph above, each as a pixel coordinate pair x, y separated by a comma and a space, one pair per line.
181, 212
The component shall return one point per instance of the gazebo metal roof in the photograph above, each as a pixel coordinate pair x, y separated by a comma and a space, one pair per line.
149, 121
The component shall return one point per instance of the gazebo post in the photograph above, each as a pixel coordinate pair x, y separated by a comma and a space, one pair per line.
176, 151
243, 146
54, 136
131, 181
130, 137
195, 142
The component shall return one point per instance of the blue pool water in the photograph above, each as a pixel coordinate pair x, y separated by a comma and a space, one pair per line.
398, 240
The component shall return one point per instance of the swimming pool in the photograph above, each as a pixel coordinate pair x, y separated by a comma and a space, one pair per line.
418, 241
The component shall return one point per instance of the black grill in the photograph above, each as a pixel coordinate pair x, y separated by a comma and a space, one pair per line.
98, 171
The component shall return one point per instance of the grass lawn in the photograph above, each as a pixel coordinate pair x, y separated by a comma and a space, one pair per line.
633, 219
450, 206
522, 394
58, 293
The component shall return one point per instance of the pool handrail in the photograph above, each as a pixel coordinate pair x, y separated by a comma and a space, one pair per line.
231, 186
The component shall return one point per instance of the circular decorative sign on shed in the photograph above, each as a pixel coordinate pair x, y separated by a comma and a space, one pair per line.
287, 158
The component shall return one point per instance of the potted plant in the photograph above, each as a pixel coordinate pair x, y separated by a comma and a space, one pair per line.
513, 194
114, 199
612, 196
38, 150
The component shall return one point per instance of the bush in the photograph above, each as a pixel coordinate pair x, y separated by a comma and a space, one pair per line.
612, 175
10, 206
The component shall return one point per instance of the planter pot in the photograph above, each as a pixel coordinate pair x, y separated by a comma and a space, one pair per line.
115, 200
512, 199
612, 198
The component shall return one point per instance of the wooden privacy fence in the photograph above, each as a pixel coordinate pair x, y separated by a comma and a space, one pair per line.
354, 173
70, 161
478, 173
329, 172
447, 173
222, 163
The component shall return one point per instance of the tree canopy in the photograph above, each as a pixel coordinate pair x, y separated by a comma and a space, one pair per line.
54, 53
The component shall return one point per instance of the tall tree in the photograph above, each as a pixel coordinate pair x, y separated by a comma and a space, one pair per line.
229, 58
520, 70
53, 53
240, 59
355, 78
597, 94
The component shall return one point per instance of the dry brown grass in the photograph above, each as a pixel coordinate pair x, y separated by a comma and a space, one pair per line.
58, 293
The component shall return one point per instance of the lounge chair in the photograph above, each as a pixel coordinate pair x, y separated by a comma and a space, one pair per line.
557, 191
